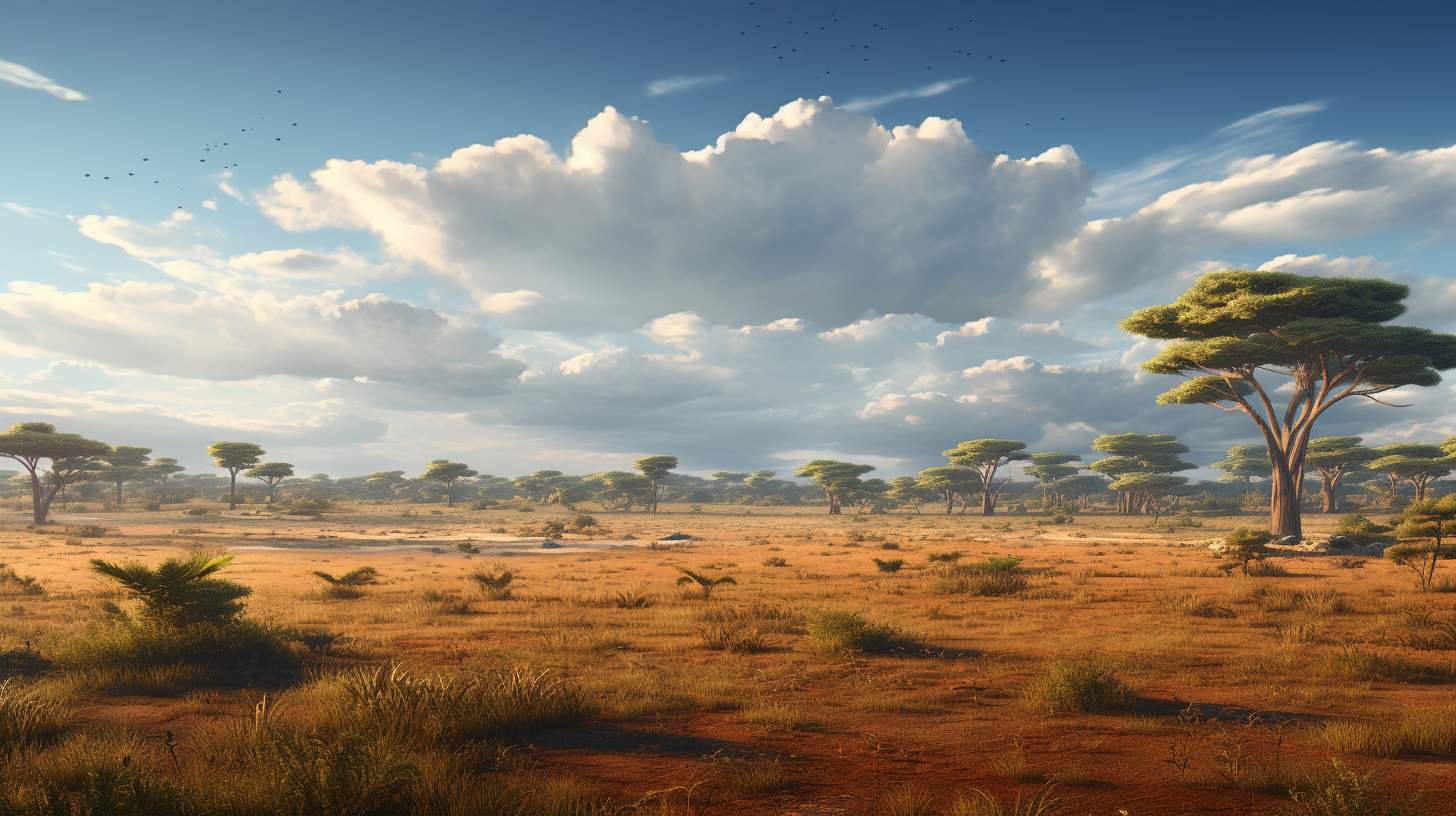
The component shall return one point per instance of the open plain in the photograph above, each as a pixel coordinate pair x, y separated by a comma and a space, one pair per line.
824, 679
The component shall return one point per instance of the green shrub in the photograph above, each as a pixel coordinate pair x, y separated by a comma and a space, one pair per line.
196, 511
892, 565
241, 647
308, 507
850, 632
945, 557
581, 524
494, 585
86, 531
1344, 793
1080, 684
467, 548
1355, 524
775, 561
180, 591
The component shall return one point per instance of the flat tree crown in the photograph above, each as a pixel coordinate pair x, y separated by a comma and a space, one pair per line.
234, 455
978, 451
39, 440
444, 469
1233, 323
655, 467
271, 470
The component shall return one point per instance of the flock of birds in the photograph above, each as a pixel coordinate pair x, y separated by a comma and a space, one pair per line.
826, 35
207, 147
796, 40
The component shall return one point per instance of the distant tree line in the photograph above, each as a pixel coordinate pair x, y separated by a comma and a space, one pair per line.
1228, 336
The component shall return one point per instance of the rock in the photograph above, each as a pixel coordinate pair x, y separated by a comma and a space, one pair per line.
1339, 542
676, 537
548, 544
1286, 541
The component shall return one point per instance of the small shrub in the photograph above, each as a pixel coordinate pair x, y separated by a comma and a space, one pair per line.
349, 585
1245, 546
1191, 605
13, 583
1347, 562
86, 531
1360, 665
705, 583
495, 584
1265, 569
890, 545
482, 504
1081, 684
581, 524
467, 548
977, 802
152, 507
241, 647
892, 565
308, 507
195, 511
180, 591
775, 561
752, 777
1344, 793
1357, 525
945, 557
850, 632
633, 600
907, 800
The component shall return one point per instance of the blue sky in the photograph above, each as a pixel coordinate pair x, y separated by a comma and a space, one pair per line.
624, 300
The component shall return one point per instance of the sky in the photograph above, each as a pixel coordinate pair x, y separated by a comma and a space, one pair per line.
566, 235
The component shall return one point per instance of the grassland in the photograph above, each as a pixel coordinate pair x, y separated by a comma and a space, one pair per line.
1107, 658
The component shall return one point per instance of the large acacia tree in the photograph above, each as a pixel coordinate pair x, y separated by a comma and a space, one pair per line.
987, 456
447, 473
1239, 336
234, 457
836, 478
271, 473
73, 458
1334, 457
655, 468
123, 464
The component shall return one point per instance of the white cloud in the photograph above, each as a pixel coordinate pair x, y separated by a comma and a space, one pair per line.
28, 212
17, 74
812, 213
682, 84
170, 330
210, 205
864, 104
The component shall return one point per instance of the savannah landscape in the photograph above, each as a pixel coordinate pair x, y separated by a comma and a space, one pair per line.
1008, 665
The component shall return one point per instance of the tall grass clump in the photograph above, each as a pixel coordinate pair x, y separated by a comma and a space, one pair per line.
424, 708
850, 632
1418, 731
27, 721
992, 578
977, 802
238, 647
1080, 684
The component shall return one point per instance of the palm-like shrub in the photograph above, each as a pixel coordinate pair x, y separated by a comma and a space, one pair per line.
706, 583
1244, 546
891, 565
494, 585
349, 585
180, 591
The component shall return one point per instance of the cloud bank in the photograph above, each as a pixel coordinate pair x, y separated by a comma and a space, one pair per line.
17, 74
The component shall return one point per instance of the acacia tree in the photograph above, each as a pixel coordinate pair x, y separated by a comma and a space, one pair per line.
1152, 487
626, 487
864, 493
1333, 457
234, 457
950, 482
908, 490
836, 478
1413, 462
1131, 453
655, 468
271, 473
162, 469
987, 456
1050, 468
73, 458
1324, 336
1082, 487
1242, 463
1426, 526
447, 473
124, 463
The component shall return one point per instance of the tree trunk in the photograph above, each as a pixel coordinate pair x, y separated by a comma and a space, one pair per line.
118, 495
449, 496
988, 503
37, 505
1284, 519
949, 501
232, 490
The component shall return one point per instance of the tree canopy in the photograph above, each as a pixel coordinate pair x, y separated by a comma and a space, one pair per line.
234, 457
1333, 457
1325, 336
447, 473
987, 456
836, 478
73, 457
271, 473
655, 468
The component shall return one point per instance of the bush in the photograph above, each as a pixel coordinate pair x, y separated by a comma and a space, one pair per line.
1245, 546
945, 557
13, 583
483, 504
86, 531
581, 524
775, 561
963, 581
240, 646
467, 548
308, 507
850, 632
1424, 731
349, 585
180, 591
152, 507
892, 565
494, 585
1344, 793
1082, 684
196, 511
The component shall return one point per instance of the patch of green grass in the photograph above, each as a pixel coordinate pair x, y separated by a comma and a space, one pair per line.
1419, 731
833, 631
1080, 684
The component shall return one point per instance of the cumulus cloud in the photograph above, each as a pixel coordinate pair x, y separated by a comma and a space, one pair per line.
682, 84
1325, 192
812, 213
17, 74
171, 330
